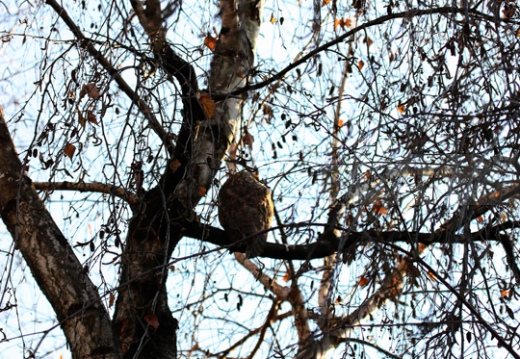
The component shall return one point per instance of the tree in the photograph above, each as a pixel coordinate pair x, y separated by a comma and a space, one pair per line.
388, 135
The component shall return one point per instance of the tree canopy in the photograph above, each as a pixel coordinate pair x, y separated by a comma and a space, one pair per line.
386, 131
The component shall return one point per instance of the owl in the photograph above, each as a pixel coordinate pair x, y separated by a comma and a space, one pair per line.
245, 208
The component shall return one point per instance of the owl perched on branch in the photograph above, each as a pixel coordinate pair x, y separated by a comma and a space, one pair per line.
245, 208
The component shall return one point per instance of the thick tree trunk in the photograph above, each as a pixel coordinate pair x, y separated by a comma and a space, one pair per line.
143, 320
51, 260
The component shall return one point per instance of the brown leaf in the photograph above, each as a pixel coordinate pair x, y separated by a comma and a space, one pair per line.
174, 165
91, 90
151, 320
91, 117
248, 139
111, 300
69, 150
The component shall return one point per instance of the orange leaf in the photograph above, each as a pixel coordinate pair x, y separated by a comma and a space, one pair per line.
421, 247
347, 23
480, 219
210, 42
401, 108
287, 277
337, 22
379, 208
202, 191
367, 174
363, 281
360, 64
152, 320
208, 104
69, 150
504, 293
325, 2
273, 19
503, 217
432, 276
340, 122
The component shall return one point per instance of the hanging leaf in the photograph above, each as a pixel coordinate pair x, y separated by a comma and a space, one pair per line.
379, 208
210, 42
151, 320
91, 90
248, 139
325, 2
91, 117
273, 19
208, 104
360, 64
363, 281
401, 108
69, 150
202, 191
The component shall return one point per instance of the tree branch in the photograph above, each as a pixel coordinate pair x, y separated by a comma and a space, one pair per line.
56, 269
120, 192
89, 46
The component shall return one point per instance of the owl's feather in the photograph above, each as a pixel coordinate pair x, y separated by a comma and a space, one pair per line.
246, 208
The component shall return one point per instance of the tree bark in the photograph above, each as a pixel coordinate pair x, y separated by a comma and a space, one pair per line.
55, 267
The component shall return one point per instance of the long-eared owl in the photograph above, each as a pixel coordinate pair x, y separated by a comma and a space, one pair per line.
245, 208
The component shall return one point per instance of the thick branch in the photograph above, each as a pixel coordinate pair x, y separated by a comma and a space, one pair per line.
326, 245
120, 192
52, 262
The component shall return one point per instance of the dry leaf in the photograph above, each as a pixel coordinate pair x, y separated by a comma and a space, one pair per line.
360, 64
325, 2
379, 208
401, 108
337, 23
151, 320
273, 19
480, 219
111, 299
431, 275
174, 165
363, 281
287, 277
210, 42
421, 247
81, 119
91, 90
69, 150
504, 293
208, 104
248, 139
202, 191
91, 117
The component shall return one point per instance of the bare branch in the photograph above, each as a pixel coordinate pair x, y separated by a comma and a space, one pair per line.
120, 192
